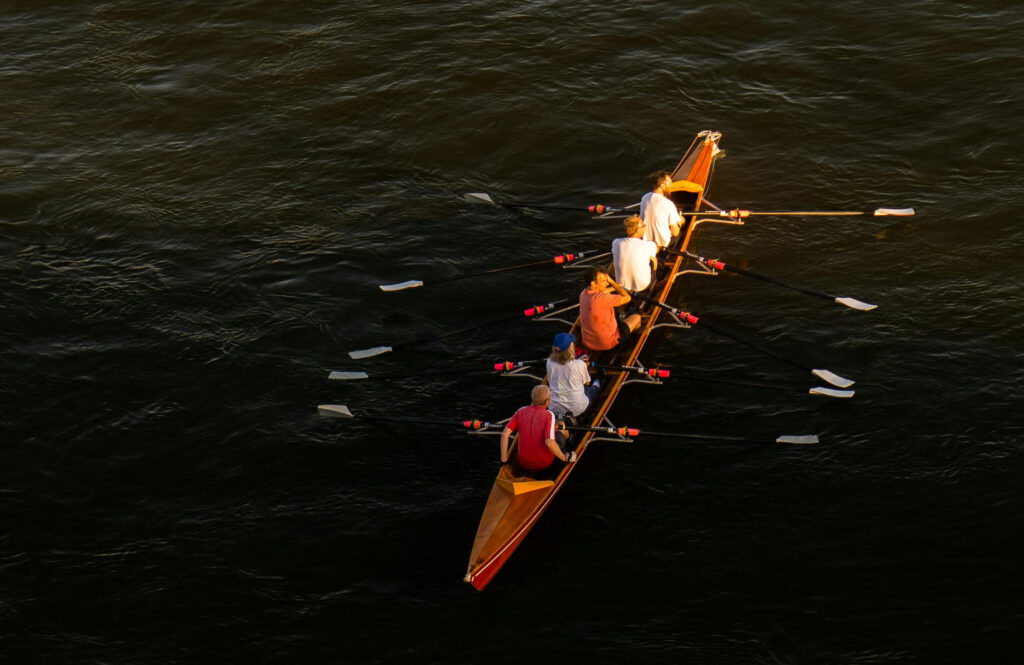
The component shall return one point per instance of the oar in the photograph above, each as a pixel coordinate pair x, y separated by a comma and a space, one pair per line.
852, 303
505, 366
481, 197
661, 372
822, 374
561, 259
740, 214
342, 411
378, 350
630, 431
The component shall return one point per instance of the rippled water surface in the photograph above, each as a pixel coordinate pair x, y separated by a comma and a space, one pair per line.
198, 201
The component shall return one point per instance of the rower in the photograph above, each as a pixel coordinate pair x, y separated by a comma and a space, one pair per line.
659, 212
569, 379
635, 257
537, 446
600, 329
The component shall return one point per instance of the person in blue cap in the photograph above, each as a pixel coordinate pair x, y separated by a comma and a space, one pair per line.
569, 379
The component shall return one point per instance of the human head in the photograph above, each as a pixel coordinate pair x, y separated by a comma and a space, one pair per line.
593, 274
562, 350
563, 341
658, 178
540, 395
634, 225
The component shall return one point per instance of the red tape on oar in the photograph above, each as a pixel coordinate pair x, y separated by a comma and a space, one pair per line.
537, 309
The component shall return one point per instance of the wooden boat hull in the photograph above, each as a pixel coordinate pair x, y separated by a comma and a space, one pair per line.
516, 503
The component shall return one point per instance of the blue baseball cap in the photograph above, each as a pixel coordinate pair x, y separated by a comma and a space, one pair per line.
563, 340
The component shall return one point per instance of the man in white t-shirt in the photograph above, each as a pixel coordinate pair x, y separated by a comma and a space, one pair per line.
659, 212
635, 257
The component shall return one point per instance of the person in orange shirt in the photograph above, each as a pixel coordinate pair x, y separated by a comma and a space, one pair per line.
600, 328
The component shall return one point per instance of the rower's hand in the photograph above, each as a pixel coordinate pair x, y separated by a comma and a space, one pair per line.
571, 457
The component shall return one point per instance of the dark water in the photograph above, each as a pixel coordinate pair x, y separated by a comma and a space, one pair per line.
197, 201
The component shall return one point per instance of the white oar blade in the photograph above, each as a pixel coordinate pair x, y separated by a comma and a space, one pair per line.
334, 411
894, 212
368, 353
479, 197
832, 378
831, 392
348, 376
853, 303
804, 439
401, 286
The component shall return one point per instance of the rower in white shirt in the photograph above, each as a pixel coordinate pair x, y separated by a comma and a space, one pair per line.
635, 257
659, 212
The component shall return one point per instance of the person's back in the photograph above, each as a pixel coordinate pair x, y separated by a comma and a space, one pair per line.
535, 424
634, 257
599, 326
659, 212
536, 447
569, 378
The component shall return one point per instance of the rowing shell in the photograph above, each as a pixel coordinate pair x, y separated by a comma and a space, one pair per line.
515, 502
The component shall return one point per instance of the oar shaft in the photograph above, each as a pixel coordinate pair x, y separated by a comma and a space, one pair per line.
482, 197
532, 311
694, 320
550, 206
631, 432
342, 411
754, 345
504, 366
561, 259
721, 265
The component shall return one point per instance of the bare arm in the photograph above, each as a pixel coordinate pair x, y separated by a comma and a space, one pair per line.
618, 289
555, 450
505, 434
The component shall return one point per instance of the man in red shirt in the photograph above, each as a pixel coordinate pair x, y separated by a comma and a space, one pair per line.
537, 447
599, 326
